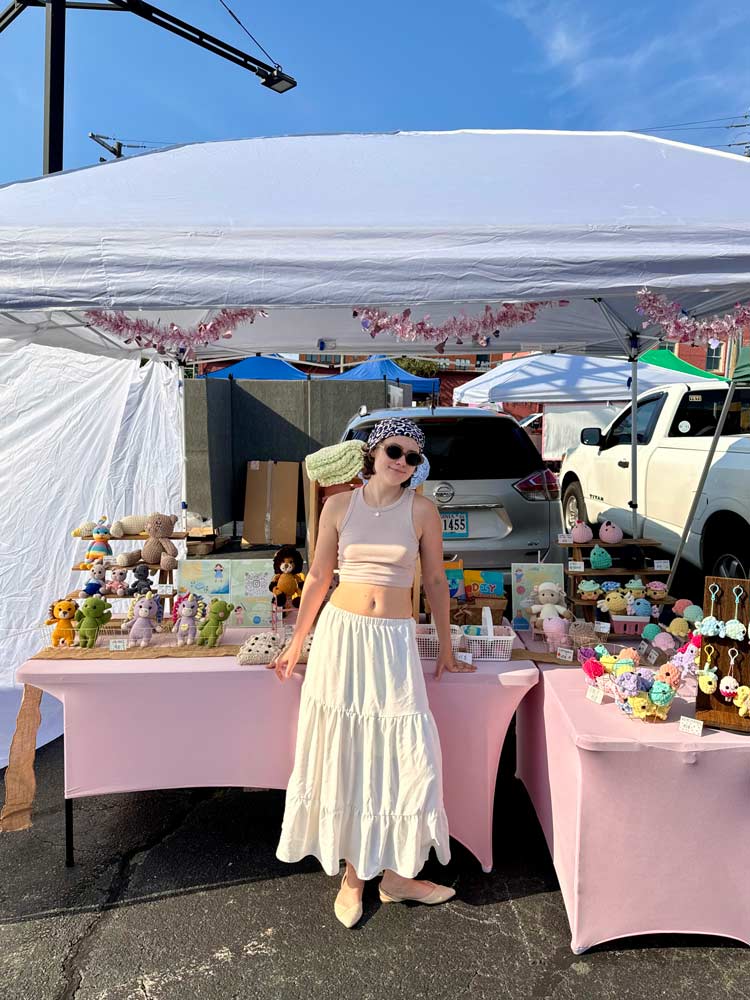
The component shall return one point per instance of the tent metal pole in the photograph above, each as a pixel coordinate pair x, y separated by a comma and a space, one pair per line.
634, 444
701, 482
183, 499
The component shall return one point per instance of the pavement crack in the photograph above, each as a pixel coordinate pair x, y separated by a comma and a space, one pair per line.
81, 947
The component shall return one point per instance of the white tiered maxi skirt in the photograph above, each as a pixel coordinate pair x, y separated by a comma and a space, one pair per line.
367, 781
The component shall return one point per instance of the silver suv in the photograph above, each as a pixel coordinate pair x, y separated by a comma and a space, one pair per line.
498, 503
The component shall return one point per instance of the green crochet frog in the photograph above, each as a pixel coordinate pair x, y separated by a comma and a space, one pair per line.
92, 615
212, 626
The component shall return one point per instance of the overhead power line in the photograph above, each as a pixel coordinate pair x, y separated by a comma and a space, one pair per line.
249, 34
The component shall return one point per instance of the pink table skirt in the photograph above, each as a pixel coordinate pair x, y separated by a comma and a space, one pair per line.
132, 725
646, 825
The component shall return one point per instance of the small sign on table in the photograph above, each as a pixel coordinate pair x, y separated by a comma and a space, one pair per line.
464, 657
692, 726
564, 653
662, 564
604, 627
118, 645
564, 539
595, 694
164, 589
576, 566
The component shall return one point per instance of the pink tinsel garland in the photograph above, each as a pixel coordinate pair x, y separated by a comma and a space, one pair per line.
477, 329
677, 325
147, 334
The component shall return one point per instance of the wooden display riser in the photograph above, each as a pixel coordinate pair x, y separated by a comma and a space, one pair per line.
136, 653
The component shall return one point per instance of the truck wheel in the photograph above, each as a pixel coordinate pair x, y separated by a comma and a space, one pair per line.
728, 554
574, 506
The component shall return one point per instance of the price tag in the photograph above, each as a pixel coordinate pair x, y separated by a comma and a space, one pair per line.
117, 645
604, 627
653, 656
464, 657
576, 566
692, 726
663, 564
595, 694
643, 647
564, 539
563, 653
164, 589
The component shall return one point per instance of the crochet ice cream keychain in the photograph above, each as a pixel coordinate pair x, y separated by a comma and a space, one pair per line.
710, 624
734, 629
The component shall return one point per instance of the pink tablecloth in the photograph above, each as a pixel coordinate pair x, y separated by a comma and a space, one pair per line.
132, 725
645, 824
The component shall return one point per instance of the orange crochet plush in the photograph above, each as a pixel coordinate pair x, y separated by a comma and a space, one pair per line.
61, 615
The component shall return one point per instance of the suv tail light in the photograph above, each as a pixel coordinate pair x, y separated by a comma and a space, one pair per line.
542, 485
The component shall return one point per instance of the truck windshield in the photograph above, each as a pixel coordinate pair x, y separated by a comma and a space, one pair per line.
698, 414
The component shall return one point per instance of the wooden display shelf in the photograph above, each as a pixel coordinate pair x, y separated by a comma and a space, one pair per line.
646, 543
637, 573
130, 538
666, 601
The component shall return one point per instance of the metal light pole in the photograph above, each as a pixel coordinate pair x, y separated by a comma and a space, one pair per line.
54, 86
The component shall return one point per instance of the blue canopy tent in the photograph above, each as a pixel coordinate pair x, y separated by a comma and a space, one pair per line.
268, 366
379, 367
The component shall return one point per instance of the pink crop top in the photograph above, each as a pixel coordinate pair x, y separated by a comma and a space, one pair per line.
378, 544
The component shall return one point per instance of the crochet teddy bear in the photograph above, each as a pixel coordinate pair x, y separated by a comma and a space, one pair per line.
142, 582
117, 585
158, 549
288, 579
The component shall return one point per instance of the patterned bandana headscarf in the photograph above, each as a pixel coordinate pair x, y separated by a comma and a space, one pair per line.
395, 427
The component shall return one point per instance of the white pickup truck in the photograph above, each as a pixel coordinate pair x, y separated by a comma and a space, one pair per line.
675, 425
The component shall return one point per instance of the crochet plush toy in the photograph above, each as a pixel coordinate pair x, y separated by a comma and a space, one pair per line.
211, 628
92, 615
141, 583
158, 550
117, 585
95, 583
142, 620
133, 524
551, 601
62, 615
288, 580
337, 463
98, 549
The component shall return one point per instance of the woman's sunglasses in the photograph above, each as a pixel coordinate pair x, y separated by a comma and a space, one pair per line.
395, 451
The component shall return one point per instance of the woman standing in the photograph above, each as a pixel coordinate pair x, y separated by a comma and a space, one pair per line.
367, 778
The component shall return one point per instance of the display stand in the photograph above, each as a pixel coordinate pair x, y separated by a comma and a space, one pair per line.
581, 552
165, 576
712, 709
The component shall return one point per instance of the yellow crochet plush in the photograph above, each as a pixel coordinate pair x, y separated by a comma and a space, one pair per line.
338, 463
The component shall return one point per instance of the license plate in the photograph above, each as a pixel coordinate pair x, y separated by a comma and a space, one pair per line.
455, 524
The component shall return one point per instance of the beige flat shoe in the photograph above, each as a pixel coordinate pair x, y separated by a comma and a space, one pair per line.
438, 894
348, 915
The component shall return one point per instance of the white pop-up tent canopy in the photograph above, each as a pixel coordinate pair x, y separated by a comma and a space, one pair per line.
563, 378
310, 227
439, 222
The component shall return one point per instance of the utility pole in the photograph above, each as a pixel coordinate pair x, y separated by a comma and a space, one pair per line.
271, 76
54, 86
115, 150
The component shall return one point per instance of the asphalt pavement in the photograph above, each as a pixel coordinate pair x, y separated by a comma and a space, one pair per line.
178, 895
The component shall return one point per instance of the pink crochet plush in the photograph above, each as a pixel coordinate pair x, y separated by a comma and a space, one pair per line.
581, 532
610, 533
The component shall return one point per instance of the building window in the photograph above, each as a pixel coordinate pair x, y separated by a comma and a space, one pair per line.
713, 359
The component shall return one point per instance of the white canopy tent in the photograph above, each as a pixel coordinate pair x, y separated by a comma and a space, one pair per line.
436, 221
310, 227
562, 378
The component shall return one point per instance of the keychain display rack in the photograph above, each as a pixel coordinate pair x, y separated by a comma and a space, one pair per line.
712, 709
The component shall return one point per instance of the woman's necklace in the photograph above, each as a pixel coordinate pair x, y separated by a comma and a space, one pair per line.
376, 511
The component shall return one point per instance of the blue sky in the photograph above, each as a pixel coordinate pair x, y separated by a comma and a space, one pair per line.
569, 64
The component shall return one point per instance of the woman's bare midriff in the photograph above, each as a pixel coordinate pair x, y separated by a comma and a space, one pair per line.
370, 599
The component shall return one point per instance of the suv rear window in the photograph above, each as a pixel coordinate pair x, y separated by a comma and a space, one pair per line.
699, 412
474, 448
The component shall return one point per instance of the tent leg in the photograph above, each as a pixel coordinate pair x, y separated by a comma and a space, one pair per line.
634, 445
701, 482
69, 849
183, 499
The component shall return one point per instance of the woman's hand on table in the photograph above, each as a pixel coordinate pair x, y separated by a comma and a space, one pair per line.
447, 661
286, 660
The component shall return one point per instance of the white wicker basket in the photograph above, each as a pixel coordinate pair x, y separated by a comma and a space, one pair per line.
428, 644
498, 646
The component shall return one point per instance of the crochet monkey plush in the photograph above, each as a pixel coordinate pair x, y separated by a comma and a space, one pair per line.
288, 580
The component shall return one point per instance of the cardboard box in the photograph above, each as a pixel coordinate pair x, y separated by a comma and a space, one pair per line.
271, 503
